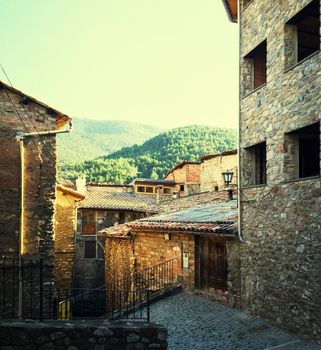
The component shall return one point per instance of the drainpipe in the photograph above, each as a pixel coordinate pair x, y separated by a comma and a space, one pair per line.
240, 235
20, 137
21, 225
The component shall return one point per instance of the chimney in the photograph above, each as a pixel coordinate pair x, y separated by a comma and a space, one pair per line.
81, 184
158, 193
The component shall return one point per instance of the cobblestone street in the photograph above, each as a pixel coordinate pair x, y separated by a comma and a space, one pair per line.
198, 323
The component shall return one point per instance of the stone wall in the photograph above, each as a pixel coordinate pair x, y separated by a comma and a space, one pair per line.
64, 242
81, 335
39, 177
90, 273
280, 261
211, 172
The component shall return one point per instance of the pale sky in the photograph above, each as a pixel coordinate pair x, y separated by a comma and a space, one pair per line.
167, 63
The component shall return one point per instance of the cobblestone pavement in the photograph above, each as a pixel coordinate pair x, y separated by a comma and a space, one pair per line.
198, 323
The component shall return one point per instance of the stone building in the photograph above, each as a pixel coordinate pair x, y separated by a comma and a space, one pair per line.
203, 241
28, 173
160, 188
27, 197
186, 176
279, 148
103, 207
64, 238
211, 169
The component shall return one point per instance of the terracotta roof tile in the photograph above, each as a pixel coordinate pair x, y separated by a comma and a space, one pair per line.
101, 198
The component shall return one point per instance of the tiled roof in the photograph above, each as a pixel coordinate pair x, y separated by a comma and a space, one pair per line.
153, 182
101, 198
219, 218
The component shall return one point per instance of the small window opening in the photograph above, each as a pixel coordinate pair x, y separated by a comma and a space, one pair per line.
149, 189
90, 249
304, 151
307, 30
257, 58
257, 164
166, 190
182, 188
140, 189
121, 218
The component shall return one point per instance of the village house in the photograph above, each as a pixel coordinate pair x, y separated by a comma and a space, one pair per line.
27, 188
186, 176
279, 150
199, 243
104, 206
153, 187
212, 167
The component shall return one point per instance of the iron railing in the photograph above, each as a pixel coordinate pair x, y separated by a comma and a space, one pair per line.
153, 279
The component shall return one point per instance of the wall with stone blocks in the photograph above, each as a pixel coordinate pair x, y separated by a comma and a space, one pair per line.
39, 179
280, 261
81, 335
211, 172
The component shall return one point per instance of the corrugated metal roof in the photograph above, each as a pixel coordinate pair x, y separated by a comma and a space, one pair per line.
101, 198
222, 211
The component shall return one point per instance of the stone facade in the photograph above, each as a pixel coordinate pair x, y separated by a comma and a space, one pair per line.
280, 218
212, 167
82, 335
187, 178
89, 272
64, 240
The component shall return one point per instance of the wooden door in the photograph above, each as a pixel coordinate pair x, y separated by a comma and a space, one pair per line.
213, 263
88, 223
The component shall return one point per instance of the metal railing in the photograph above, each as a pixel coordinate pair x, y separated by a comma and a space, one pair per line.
153, 278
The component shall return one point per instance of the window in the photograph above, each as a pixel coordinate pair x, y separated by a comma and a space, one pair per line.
140, 189
256, 164
121, 219
149, 189
302, 33
303, 152
256, 62
182, 188
166, 190
88, 223
90, 249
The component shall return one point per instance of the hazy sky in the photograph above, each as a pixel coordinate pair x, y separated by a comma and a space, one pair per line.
162, 62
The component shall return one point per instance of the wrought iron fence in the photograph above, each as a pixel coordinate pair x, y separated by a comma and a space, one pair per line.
24, 293
153, 279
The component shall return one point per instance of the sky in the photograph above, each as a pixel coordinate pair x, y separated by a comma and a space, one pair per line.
167, 63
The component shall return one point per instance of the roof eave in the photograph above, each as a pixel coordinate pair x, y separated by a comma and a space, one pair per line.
231, 9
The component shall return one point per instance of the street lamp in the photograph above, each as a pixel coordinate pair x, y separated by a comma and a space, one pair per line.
228, 176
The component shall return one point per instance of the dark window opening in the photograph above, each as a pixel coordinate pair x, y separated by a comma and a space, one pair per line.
167, 190
258, 163
307, 144
149, 189
90, 249
121, 219
307, 23
182, 188
140, 189
258, 61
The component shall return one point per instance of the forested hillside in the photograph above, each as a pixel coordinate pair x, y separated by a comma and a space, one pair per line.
91, 139
154, 157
